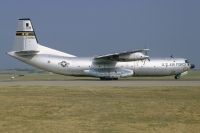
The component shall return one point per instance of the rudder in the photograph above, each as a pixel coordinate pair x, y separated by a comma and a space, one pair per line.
25, 39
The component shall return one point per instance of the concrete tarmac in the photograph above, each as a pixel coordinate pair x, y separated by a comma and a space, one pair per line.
119, 83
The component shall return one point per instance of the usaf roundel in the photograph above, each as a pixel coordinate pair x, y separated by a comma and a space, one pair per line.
64, 64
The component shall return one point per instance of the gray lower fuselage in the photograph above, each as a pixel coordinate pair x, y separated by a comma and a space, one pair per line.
76, 66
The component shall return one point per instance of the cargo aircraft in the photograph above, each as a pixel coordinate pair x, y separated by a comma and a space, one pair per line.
106, 67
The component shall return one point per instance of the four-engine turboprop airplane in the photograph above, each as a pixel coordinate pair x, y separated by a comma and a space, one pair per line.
105, 67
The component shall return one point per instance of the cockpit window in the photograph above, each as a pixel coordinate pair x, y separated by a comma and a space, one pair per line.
186, 61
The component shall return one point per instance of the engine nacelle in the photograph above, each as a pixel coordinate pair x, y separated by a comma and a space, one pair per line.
134, 57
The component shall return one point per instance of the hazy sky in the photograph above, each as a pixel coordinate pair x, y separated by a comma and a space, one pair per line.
96, 27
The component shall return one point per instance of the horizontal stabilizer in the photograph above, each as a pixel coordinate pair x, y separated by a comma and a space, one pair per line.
26, 53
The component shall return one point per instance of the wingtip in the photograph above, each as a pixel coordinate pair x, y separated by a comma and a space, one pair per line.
146, 49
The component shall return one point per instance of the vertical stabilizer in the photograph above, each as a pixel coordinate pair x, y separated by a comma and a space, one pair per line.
25, 39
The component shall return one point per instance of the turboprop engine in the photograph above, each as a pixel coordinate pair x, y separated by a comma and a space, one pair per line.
133, 56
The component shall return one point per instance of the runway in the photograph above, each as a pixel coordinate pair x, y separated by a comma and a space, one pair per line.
120, 83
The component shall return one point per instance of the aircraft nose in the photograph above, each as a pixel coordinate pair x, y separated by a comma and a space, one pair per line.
192, 66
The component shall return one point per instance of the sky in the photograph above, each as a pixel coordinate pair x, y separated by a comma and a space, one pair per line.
97, 27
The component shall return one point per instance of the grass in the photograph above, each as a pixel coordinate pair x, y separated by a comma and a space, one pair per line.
46, 109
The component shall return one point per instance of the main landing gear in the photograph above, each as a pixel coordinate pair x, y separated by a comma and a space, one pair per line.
108, 78
178, 76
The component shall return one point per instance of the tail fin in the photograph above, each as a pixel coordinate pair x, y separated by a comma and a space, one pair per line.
25, 39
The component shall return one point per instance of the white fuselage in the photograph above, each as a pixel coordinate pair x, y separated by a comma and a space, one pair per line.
77, 66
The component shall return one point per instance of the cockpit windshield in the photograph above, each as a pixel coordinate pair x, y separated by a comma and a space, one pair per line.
186, 61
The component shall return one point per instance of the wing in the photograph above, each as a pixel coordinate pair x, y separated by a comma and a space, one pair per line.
124, 56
